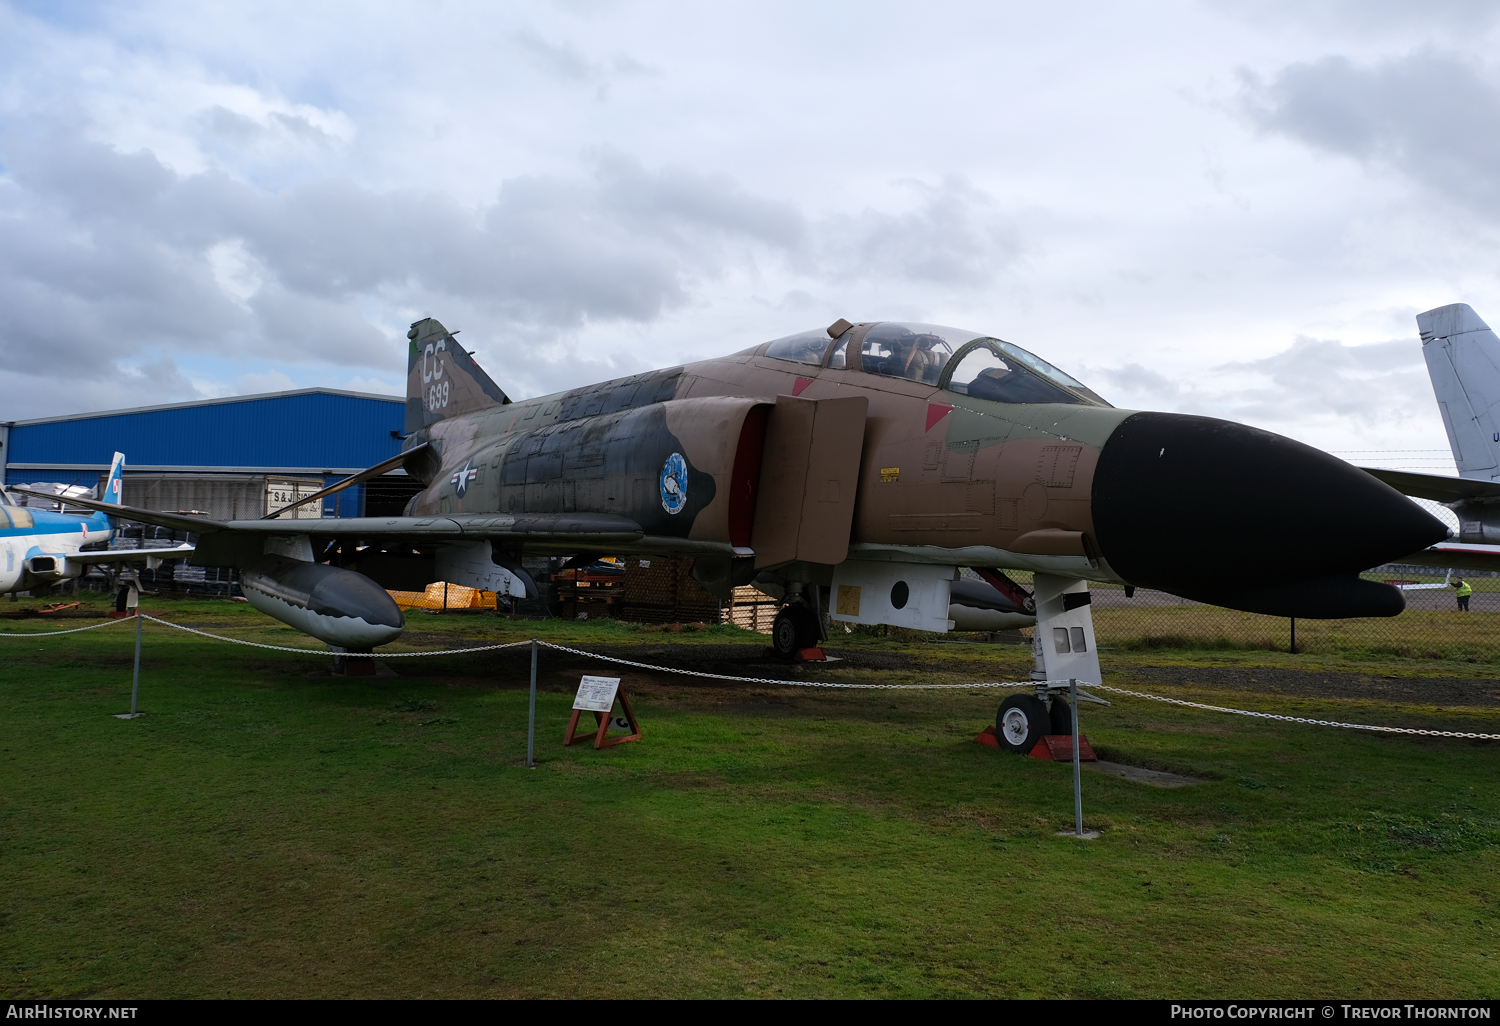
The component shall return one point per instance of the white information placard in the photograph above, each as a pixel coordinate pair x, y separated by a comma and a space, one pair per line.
597, 694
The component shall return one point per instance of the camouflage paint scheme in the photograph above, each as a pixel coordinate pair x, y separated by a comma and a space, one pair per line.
1004, 485
779, 468
939, 477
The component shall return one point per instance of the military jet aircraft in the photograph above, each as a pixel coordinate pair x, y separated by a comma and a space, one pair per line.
851, 470
41, 548
1463, 363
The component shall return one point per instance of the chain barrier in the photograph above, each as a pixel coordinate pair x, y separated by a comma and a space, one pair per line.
1032, 683
791, 683
325, 652
75, 630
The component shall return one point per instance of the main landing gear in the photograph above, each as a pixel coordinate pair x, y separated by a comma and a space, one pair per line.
794, 629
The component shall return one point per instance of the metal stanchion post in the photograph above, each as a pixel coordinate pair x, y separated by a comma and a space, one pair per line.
1077, 769
531, 716
135, 684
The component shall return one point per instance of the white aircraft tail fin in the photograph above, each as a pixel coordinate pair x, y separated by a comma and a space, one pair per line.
1463, 361
114, 485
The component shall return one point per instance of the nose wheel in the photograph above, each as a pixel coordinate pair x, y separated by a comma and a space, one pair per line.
1021, 723
1023, 720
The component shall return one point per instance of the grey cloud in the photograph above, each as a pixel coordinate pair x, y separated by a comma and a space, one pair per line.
1139, 382
956, 235
241, 130
567, 63
1366, 17
1309, 357
1378, 383
1432, 116
288, 319
228, 124
108, 255
624, 64
163, 377
559, 58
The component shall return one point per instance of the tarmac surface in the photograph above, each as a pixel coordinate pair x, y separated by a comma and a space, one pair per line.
1446, 691
1141, 775
1427, 599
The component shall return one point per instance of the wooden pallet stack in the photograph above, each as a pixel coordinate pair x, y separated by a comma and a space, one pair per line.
590, 594
752, 609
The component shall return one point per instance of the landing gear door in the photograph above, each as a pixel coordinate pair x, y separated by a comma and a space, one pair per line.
804, 508
1064, 641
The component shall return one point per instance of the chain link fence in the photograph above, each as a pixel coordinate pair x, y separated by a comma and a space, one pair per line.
1432, 627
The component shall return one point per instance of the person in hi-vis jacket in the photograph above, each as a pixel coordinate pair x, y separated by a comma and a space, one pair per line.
1464, 591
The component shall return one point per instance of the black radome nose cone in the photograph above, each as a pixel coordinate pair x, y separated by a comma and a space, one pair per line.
1236, 516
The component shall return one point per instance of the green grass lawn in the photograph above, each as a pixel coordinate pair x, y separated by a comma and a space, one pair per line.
266, 829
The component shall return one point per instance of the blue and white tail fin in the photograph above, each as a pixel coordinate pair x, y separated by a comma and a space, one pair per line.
1463, 361
114, 485
113, 491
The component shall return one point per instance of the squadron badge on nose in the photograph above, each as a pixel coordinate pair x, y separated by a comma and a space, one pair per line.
674, 483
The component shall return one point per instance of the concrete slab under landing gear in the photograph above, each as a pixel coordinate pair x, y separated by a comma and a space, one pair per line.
1087, 835
382, 669
1156, 778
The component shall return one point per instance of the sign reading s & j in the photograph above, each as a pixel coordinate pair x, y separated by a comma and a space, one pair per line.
598, 695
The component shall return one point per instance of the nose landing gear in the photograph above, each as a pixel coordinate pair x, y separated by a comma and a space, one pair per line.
1021, 723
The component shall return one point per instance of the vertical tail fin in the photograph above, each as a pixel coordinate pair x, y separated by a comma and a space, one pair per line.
114, 485
442, 379
1463, 361
112, 492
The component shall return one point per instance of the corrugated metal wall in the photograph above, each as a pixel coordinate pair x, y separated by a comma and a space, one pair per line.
314, 430
220, 496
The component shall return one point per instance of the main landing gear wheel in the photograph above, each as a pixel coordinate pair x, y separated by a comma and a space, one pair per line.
1021, 723
794, 629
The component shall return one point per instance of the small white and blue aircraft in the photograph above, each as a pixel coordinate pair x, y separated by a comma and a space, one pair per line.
39, 548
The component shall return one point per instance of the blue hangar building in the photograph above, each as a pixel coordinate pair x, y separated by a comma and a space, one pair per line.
230, 459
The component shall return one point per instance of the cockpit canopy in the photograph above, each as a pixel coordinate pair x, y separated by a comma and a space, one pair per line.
960, 361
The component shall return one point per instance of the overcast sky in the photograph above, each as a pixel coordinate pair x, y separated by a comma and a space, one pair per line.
1228, 208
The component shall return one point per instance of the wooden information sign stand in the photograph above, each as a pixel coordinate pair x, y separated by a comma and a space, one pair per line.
597, 695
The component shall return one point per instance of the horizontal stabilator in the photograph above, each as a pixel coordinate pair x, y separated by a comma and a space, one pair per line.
1327, 598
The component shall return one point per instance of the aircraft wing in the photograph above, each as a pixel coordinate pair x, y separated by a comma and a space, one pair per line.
1446, 555
578, 528
377, 470
1429, 486
176, 521
129, 555
583, 528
